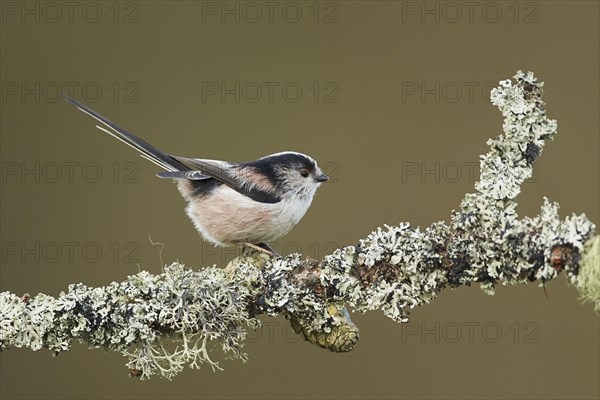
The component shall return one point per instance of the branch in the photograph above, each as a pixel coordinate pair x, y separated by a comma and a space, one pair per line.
394, 269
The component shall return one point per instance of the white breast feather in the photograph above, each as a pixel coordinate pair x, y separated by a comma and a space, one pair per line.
227, 217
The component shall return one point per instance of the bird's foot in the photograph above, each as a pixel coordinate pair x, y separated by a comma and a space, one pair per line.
262, 247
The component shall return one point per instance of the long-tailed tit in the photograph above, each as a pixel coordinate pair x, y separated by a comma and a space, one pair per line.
250, 203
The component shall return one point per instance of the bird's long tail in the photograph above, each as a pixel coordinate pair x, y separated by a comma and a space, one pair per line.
146, 150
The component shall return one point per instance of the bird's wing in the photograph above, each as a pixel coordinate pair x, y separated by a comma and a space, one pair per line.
233, 175
191, 175
222, 171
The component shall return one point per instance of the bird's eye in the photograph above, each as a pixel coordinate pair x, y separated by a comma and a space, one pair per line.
304, 172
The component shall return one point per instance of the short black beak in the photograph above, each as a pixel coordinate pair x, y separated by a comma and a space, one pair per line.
322, 178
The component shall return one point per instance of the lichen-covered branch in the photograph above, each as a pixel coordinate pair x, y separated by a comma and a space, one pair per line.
164, 322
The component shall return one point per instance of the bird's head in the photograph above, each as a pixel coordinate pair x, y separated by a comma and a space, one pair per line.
293, 174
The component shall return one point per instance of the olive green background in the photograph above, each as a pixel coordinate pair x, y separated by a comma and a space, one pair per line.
374, 132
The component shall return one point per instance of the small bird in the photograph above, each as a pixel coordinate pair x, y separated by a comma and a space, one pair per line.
250, 203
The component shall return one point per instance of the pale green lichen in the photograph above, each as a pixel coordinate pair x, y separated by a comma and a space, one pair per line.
164, 322
24, 322
342, 338
587, 280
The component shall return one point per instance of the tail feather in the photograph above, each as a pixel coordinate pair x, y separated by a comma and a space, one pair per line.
147, 151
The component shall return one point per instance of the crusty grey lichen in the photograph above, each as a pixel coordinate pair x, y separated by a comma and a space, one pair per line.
137, 317
164, 322
397, 268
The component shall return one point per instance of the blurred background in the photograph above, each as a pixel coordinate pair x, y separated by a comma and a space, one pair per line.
392, 99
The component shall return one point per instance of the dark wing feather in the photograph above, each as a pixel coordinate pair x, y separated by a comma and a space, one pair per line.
233, 175
191, 175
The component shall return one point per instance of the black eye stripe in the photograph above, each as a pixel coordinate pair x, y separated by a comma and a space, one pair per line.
277, 167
